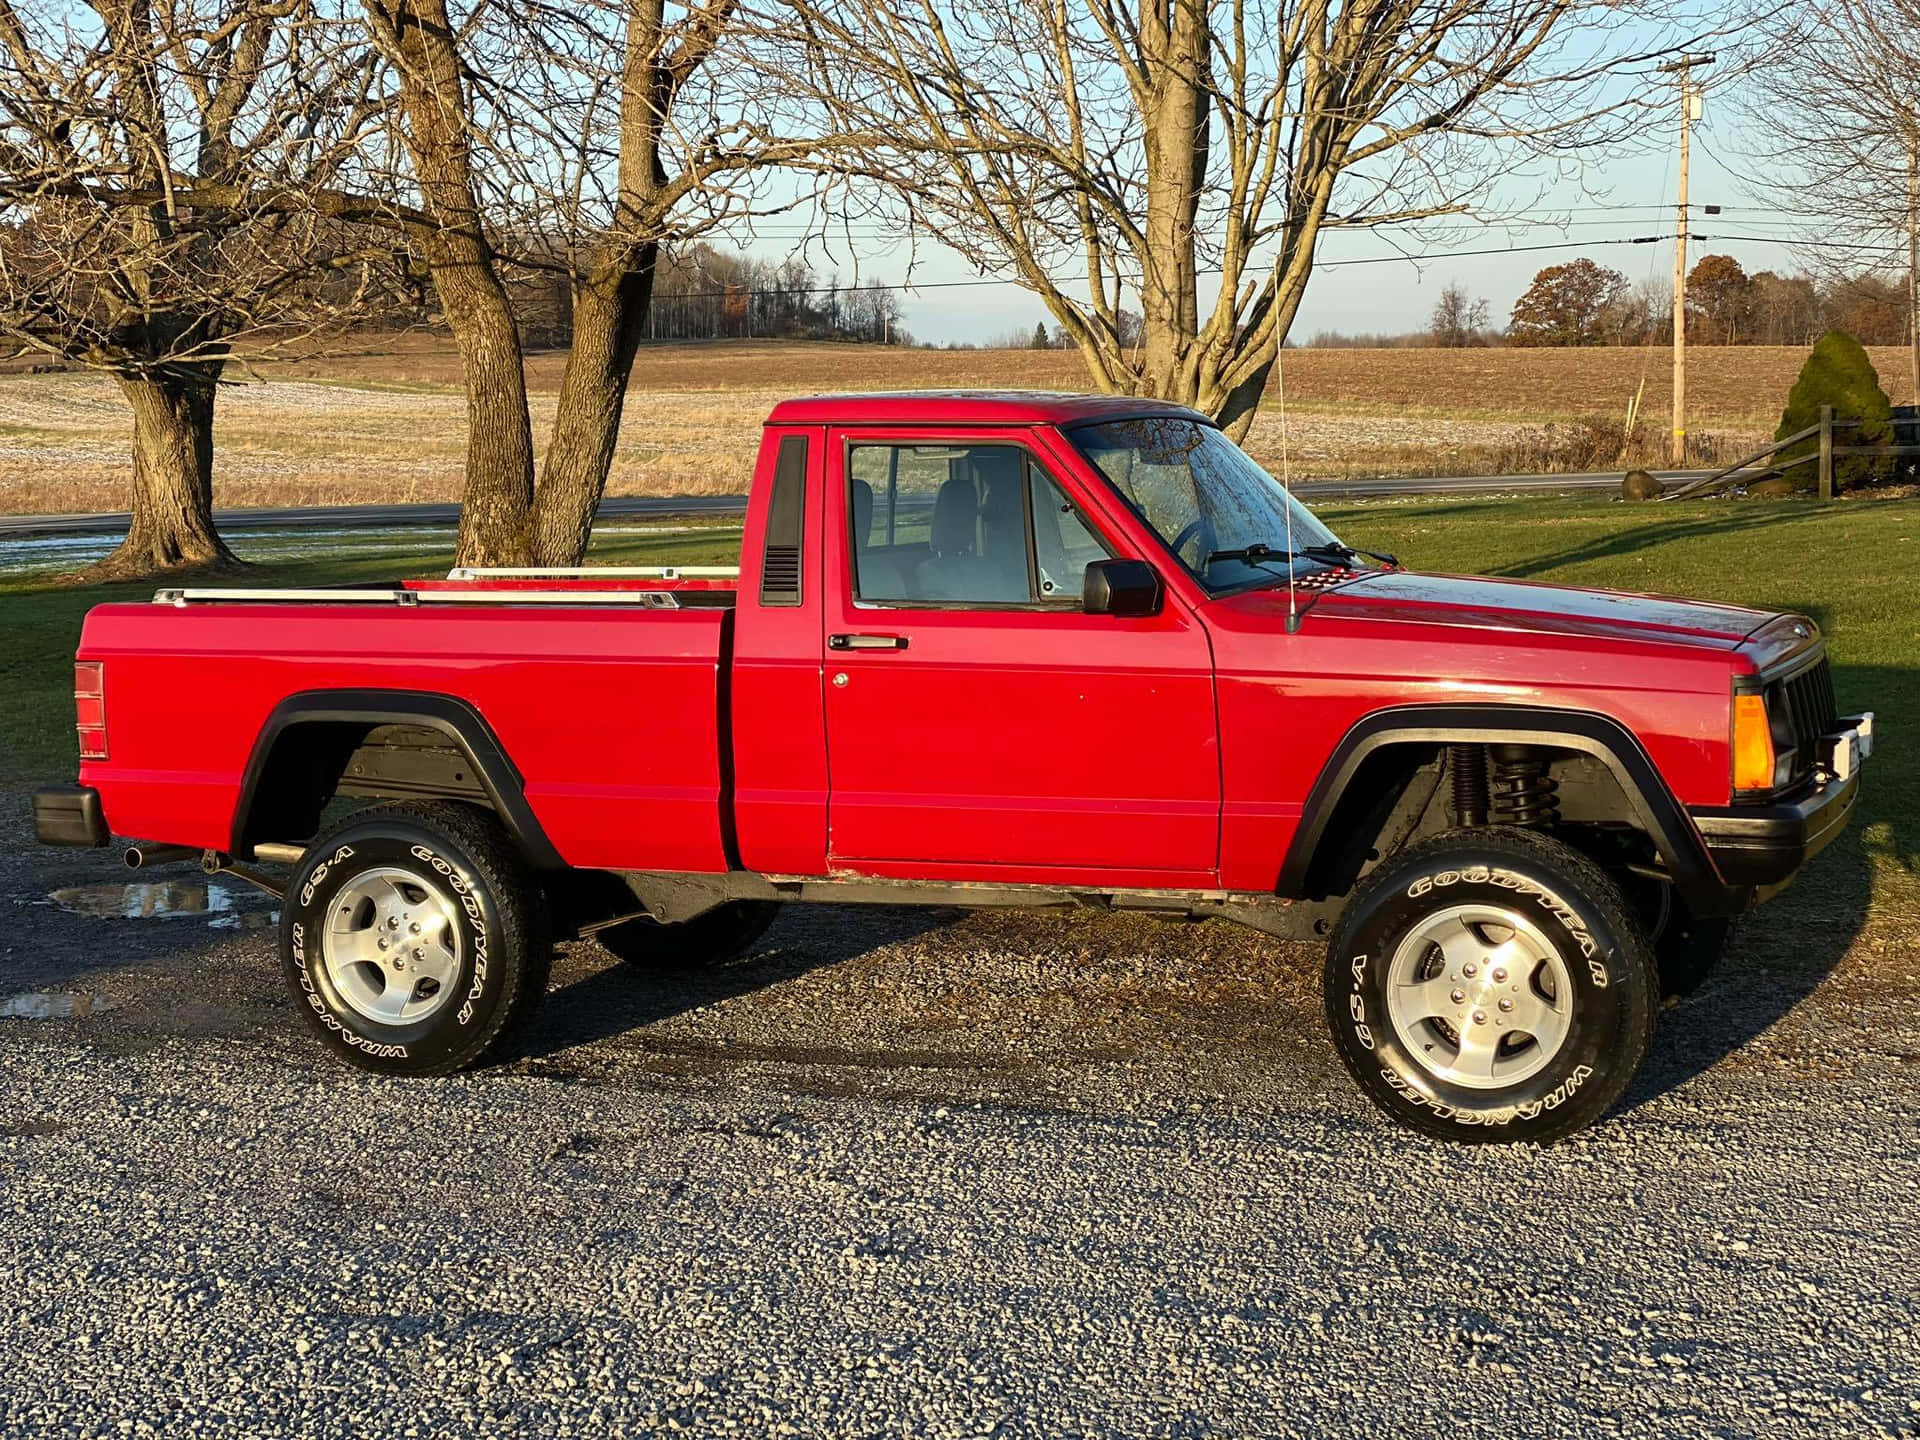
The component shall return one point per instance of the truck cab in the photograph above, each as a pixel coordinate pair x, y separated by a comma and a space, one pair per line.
993, 650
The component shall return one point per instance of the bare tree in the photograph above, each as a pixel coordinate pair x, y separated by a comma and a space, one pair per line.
158, 167
1837, 114
1458, 319
1192, 153
578, 140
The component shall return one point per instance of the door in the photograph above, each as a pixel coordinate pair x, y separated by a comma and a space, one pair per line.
976, 717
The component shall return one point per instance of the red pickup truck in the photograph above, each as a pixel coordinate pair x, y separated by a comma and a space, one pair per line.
992, 650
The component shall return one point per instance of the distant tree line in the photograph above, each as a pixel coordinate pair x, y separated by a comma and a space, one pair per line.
1583, 303
701, 292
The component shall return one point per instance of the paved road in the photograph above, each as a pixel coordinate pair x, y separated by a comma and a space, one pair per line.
629, 506
359, 516
906, 1174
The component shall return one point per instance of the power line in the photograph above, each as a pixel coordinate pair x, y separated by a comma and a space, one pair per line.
1427, 258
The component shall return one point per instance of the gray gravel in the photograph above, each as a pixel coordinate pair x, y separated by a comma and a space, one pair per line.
917, 1174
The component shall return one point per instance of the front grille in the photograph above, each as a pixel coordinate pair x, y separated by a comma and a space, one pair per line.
1802, 705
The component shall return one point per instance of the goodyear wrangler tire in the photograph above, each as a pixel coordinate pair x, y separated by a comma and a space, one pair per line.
413, 939
710, 939
1491, 985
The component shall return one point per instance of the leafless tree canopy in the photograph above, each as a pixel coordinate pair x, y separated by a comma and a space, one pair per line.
1190, 154
160, 166
157, 164
1837, 116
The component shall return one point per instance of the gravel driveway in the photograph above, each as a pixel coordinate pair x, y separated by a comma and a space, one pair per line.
905, 1173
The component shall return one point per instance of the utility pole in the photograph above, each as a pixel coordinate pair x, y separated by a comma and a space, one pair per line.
1690, 110
1913, 249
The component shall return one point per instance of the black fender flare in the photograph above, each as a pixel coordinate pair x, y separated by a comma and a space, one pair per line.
451, 716
1664, 819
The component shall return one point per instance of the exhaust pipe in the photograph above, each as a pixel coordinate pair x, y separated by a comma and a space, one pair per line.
140, 857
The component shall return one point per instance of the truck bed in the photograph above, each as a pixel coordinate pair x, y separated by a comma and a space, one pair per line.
587, 680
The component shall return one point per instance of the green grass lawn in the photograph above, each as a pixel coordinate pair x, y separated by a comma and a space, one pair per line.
1854, 567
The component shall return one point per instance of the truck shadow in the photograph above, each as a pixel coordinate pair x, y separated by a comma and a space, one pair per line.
1779, 956
1782, 951
597, 997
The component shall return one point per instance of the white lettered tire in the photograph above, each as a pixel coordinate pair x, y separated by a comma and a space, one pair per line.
1491, 985
412, 938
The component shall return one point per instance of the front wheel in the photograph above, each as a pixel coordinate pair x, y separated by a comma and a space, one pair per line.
413, 939
1491, 985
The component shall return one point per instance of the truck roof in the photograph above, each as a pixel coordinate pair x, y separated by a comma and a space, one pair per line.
968, 407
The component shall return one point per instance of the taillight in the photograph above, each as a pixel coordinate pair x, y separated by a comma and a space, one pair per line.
90, 708
1752, 743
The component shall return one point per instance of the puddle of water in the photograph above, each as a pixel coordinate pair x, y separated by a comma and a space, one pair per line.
245, 920
47, 1005
230, 909
146, 899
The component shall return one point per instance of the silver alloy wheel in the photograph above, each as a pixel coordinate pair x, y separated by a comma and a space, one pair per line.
391, 946
1479, 996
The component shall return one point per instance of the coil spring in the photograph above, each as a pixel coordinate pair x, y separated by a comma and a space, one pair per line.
1523, 793
1468, 765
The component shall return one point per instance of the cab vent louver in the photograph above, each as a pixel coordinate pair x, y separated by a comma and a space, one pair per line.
786, 514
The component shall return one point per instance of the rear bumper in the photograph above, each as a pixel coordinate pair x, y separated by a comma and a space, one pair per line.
1761, 846
69, 815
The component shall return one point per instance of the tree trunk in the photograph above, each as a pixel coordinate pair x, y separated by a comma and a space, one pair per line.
611, 303
609, 313
1178, 131
497, 501
172, 526
498, 494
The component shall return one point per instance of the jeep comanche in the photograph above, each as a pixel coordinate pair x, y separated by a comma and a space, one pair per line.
991, 650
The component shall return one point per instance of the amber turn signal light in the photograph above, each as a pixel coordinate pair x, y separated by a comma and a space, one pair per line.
1752, 744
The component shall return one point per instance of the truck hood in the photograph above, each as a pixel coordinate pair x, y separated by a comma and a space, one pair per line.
1516, 605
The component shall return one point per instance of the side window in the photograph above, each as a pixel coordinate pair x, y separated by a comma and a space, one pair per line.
948, 525
1063, 546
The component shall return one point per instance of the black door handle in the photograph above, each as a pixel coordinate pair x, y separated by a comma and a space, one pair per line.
866, 642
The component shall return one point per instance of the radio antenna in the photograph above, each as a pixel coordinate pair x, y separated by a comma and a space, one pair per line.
1286, 483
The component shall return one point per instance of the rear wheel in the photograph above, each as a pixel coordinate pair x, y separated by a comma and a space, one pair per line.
1491, 984
413, 939
720, 934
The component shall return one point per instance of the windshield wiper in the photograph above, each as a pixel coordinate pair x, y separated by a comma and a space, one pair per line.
1331, 553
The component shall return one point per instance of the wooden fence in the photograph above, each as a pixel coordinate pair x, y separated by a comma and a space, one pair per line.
1822, 456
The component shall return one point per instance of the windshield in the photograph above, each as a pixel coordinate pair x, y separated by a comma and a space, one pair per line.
1202, 496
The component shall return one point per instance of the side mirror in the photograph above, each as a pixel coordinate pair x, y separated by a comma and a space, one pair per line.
1121, 587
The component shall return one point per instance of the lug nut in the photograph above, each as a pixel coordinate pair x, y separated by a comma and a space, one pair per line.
1506, 1005
415, 927
383, 942
1499, 977
1459, 997
1479, 1017
1470, 970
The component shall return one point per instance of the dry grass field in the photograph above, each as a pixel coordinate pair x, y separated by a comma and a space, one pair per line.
387, 424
